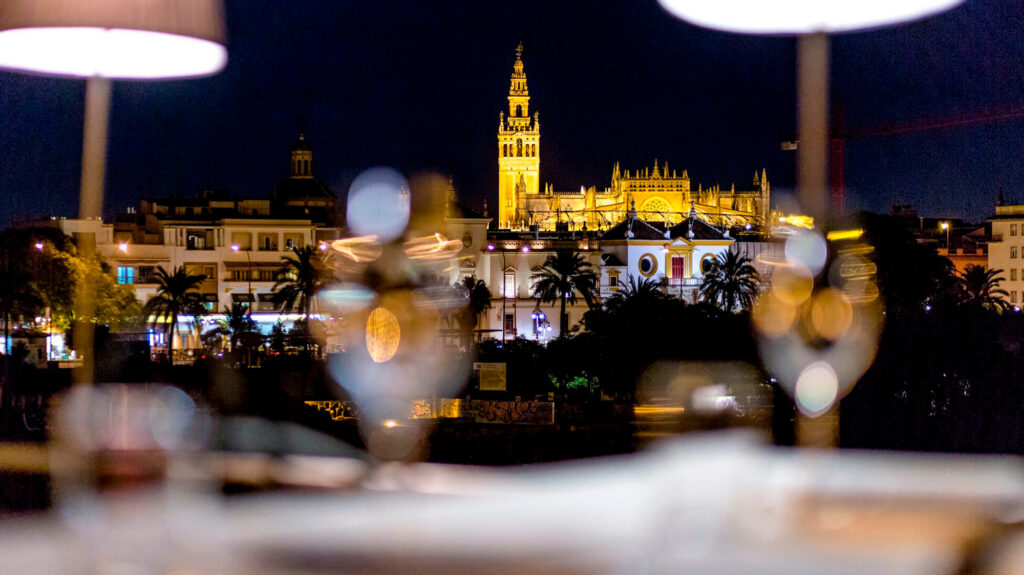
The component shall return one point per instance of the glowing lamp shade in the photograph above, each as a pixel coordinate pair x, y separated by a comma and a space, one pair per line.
802, 16
141, 39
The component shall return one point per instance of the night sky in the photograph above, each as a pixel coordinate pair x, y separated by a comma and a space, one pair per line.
419, 85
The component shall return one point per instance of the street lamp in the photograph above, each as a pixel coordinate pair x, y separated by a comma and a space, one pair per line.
248, 270
49, 303
945, 226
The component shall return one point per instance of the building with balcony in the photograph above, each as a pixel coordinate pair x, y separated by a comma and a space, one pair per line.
1006, 249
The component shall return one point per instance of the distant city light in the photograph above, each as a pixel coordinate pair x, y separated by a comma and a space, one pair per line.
323, 246
123, 247
802, 16
390, 423
490, 247
39, 246
235, 247
526, 249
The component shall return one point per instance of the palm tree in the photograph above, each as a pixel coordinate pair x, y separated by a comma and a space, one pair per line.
643, 291
175, 295
478, 300
731, 283
563, 275
236, 325
300, 277
980, 287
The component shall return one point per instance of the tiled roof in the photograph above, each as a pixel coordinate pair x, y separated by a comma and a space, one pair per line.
634, 229
611, 260
701, 230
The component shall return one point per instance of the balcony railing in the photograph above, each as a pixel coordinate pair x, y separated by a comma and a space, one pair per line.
684, 282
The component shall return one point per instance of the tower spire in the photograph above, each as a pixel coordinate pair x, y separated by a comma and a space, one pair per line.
518, 148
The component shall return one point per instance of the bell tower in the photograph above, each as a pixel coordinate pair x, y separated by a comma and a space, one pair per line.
518, 150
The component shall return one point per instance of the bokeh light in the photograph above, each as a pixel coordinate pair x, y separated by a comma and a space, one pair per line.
379, 204
807, 248
383, 335
817, 388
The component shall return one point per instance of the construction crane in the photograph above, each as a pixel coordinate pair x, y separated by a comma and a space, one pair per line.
839, 135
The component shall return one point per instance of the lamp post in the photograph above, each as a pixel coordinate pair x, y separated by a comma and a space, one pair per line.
811, 21
248, 270
945, 226
49, 303
99, 41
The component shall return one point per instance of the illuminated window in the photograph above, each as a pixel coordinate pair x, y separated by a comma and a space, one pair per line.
125, 274
510, 284
1013, 229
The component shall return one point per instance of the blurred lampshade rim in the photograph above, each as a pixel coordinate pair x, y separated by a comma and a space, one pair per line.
109, 52
147, 39
785, 17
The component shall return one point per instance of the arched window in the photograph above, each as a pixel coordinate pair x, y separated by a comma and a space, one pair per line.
519, 110
519, 148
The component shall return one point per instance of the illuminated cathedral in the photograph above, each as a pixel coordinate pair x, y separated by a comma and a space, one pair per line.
656, 194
